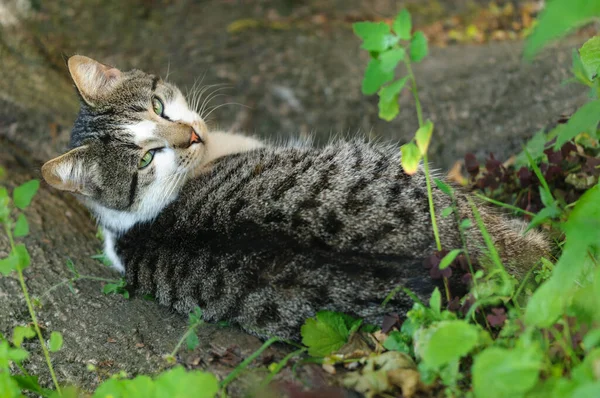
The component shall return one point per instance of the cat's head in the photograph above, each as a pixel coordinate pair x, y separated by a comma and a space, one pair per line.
135, 141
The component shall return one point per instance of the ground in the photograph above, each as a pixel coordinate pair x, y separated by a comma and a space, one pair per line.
299, 74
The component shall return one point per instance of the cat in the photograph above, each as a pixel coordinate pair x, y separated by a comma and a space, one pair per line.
261, 236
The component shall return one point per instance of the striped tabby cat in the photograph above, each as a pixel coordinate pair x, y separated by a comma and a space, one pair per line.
259, 236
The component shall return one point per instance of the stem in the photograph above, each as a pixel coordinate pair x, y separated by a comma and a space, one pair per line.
415, 92
32, 314
280, 365
502, 204
447, 289
436, 232
76, 278
231, 376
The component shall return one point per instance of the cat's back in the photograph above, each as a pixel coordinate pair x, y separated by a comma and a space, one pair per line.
348, 195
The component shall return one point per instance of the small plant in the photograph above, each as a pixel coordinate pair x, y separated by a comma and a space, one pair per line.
16, 226
116, 286
387, 48
190, 337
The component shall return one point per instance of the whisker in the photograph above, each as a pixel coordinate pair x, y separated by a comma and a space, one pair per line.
204, 89
211, 110
209, 98
168, 69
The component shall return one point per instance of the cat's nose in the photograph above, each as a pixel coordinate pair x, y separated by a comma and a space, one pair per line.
195, 138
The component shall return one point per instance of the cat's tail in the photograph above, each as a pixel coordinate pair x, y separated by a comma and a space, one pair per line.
519, 251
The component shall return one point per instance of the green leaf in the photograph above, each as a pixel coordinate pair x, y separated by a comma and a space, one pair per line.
4, 200
388, 110
23, 194
56, 341
376, 36
397, 341
418, 47
9, 387
584, 120
403, 25
21, 226
423, 136
175, 382
179, 383
31, 383
352, 324
21, 333
590, 56
447, 341
582, 231
17, 355
448, 258
102, 258
535, 146
587, 390
410, 157
192, 341
557, 19
466, 223
591, 339
442, 186
390, 92
546, 213
71, 267
116, 288
538, 172
579, 70
388, 99
195, 316
447, 211
546, 197
389, 59
23, 256
499, 373
435, 301
9, 264
324, 334
375, 77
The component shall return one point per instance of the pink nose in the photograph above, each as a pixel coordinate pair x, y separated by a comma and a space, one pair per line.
195, 137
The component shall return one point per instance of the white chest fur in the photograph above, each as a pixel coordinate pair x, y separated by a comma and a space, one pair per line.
110, 252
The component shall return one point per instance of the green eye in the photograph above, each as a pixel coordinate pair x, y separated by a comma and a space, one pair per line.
146, 159
157, 106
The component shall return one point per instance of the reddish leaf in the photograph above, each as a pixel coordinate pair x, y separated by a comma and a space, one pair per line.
389, 321
471, 164
497, 317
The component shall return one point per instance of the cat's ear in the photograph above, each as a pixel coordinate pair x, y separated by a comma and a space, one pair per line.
70, 172
92, 79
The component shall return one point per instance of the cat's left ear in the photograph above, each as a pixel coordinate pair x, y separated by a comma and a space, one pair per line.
70, 172
92, 79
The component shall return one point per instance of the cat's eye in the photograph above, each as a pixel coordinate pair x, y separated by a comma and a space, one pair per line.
146, 159
158, 106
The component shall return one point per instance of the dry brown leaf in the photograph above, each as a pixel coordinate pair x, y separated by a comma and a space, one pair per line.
455, 174
408, 380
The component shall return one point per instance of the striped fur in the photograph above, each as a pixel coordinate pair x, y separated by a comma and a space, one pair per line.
266, 238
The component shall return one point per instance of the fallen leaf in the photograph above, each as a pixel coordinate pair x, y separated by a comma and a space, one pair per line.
408, 380
455, 174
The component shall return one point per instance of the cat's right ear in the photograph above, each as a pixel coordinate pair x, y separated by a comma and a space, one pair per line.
92, 79
69, 172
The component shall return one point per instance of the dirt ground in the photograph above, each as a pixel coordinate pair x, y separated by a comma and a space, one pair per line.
298, 75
